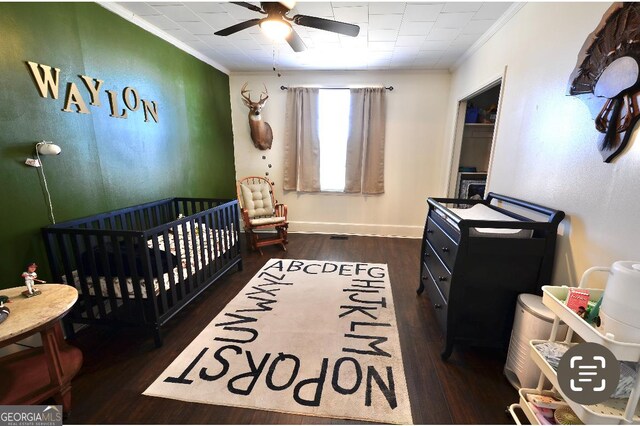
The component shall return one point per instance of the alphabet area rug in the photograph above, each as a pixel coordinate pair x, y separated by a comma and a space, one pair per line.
305, 337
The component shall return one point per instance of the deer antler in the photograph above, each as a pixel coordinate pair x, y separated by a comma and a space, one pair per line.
266, 93
243, 92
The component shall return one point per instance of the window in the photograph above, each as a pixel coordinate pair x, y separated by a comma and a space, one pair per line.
339, 131
333, 131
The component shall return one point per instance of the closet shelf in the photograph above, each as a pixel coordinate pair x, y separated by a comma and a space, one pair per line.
610, 412
553, 297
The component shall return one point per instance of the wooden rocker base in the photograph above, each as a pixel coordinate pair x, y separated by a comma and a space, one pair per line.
257, 243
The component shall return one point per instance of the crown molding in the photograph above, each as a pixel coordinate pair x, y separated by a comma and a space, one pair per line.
506, 17
140, 22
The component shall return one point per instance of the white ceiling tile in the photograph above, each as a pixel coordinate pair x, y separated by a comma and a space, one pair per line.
352, 15
218, 21
385, 22
178, 13
385, 8
435, 45
325, 37
313, 9
198, 28
478, 27
205, 7
464, 40
410, 41
239, 12
458, 7
353, 42
491, 10
161, 22
422, 12
140, 9
453, 20
182, 35
393, 34
382, 45
443, 34
415, 28
383, 35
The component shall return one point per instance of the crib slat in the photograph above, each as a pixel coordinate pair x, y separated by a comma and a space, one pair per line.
209, 249
181, 264
160, 272
113, 304
187, 254
82, 275
68, 271
172, 281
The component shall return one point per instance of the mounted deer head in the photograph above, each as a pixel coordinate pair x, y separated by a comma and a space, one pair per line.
261, 133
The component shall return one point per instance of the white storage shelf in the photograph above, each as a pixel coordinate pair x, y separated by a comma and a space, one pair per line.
553, 298
612, 411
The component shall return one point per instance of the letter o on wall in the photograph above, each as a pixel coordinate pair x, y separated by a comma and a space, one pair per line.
126, 95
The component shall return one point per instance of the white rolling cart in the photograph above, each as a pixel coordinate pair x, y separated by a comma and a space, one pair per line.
612, 411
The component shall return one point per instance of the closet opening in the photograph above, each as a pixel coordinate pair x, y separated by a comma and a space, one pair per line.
473, 144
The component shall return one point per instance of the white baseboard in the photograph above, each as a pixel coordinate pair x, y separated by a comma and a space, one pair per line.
364, 229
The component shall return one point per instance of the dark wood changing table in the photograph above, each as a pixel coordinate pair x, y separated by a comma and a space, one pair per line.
473, 280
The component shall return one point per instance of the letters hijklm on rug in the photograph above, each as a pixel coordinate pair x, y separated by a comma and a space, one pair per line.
306, 337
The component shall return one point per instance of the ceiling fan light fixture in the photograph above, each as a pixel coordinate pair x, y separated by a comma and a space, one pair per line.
275, 28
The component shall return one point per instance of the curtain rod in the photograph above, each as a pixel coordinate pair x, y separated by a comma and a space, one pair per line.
390, 88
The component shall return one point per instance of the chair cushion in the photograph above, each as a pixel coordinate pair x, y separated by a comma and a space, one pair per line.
257, 199
267, 220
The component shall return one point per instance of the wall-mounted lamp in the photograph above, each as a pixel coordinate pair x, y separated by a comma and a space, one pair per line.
48, 148
44, 148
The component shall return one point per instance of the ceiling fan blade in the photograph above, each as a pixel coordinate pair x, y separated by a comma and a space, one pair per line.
327, 25
238, 27
295, 42
248, 6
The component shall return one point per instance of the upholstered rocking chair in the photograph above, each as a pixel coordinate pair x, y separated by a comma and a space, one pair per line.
260, 211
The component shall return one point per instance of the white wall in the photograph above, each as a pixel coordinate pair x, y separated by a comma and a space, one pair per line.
546, 141
416, 113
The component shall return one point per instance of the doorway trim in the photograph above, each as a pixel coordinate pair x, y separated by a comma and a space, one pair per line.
456, 146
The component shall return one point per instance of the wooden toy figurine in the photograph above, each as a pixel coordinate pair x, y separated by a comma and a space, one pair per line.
29, 278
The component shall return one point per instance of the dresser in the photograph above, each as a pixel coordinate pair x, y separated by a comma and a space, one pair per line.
474, 262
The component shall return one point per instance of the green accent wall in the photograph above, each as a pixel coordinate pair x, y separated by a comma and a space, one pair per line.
106, 162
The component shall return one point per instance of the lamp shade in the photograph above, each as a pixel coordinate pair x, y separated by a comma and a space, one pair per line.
48, 148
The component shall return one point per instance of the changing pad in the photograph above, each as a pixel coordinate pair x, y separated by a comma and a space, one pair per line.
482, 212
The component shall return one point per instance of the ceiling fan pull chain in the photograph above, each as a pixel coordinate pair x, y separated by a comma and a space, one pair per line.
274, 61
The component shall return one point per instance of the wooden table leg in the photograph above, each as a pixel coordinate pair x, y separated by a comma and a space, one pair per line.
51, 340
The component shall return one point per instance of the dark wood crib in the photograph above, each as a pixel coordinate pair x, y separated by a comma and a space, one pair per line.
140, 265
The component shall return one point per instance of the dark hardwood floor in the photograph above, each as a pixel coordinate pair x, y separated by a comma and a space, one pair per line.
119, 364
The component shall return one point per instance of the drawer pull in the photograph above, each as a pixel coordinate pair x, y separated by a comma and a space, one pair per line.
445, 249
437, 306
442, 278
429, 231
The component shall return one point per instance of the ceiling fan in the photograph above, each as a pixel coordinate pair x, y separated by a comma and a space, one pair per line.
278, 23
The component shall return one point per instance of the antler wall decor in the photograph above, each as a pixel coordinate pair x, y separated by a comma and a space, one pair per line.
606, 76
261, 133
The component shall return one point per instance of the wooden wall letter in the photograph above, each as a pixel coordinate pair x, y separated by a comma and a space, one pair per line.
113, 102
74, 98
136, 99
93, 85
45, 80
152, 108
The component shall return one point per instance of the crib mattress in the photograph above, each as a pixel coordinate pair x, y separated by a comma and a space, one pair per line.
194, 247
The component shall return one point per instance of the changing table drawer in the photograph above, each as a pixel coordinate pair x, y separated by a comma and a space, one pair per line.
444, 246
437, 300
439, 272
